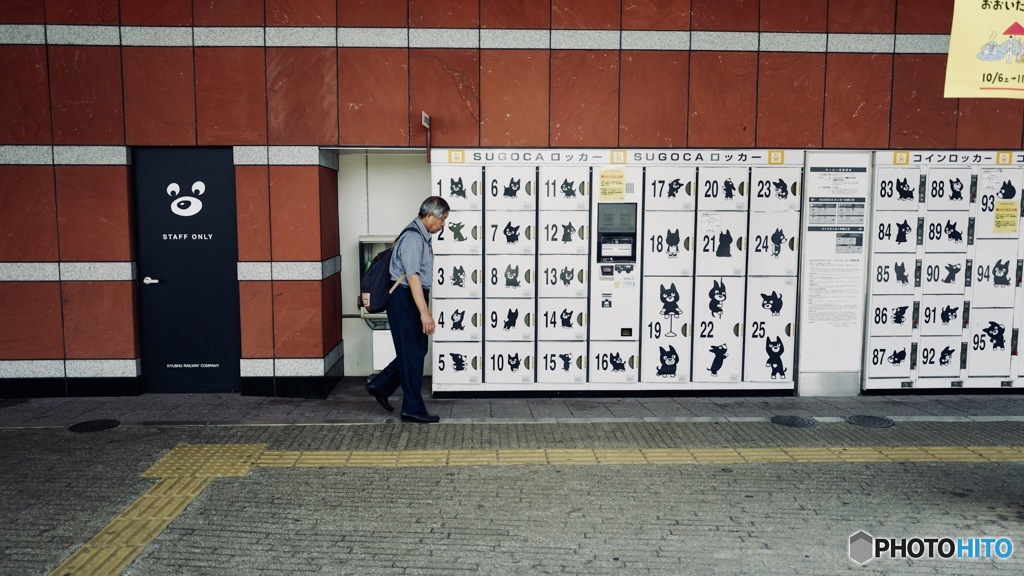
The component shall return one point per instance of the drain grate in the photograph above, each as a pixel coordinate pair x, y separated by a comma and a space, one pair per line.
794, 421
94, 425
870, 421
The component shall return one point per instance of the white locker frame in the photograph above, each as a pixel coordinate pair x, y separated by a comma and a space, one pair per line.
934, 212
566, 181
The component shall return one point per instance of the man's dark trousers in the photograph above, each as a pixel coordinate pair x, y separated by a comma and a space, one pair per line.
406, 370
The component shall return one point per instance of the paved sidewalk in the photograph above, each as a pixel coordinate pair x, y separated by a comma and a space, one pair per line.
224, 485
348, 403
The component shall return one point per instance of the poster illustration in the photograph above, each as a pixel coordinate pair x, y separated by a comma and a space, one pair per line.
986, 50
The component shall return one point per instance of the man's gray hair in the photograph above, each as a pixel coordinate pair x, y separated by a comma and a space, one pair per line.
434, 205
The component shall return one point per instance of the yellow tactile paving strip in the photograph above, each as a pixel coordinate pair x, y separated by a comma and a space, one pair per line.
187, 470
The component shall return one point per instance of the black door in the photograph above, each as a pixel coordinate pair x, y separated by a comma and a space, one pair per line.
187, 269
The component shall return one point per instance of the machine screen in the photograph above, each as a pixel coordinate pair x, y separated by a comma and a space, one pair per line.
616, 218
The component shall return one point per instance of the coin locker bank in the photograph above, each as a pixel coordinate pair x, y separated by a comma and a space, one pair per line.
620, 270
945, 304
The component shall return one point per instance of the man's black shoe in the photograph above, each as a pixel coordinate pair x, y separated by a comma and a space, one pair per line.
379, 397
421, 418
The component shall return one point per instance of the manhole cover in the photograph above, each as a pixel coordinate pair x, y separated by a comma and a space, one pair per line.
794, 421
870, 421
94, 425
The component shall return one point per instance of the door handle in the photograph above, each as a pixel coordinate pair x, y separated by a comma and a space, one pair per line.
148, 280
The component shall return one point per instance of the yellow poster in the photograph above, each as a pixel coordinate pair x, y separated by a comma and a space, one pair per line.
613, 184
986, 50
1006, 217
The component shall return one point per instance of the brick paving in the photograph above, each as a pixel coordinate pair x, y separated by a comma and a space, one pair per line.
62, 488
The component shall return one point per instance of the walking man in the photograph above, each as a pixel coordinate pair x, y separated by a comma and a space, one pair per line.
412, 261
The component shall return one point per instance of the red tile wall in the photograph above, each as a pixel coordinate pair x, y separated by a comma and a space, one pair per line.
257, 319
298, 319
78, 12
159, 90
252, 202
228, 12
226, 96
231, 96
655, 14
444, 13
858, 100
86, 96
654, 117
584, 98
99, 319
31, 317
302, 96
790, 100
514, 113
373, 93
446, 84
295, 213
921, 117
94, 214
723, 99
28, 214
515, 13
373, 13
301, 12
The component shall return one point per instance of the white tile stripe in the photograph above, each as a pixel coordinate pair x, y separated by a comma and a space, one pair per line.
472, 38
104, 368
127, 272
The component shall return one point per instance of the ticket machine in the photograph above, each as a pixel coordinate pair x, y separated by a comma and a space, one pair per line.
615, 288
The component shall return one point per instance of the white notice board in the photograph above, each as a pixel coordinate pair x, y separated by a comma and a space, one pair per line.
833, 259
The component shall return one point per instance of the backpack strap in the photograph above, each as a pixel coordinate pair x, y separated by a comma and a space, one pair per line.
400, 234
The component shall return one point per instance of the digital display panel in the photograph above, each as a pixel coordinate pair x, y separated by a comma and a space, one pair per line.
618, 218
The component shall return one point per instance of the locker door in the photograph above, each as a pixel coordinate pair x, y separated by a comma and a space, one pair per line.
511, 188
457, 276
948, 189
942, 315
562, 276
564, 232
562, 362
510, 319
670, 188
897, 189
775, 188
457, 320
893, 273
945, 232
721, 243
939, 357
718, 329
889, 357
723, 188
614, 362
460, 186
999, 193
891, 315
988, 350
773, 243
457, 363
510, 276
666, 328
511, 232
895, 232
463, 233
770, 327
564, 188
944, 273
509, 363
562, 319
668, 243
994, 278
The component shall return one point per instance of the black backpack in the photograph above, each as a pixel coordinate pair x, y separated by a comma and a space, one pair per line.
376, 285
